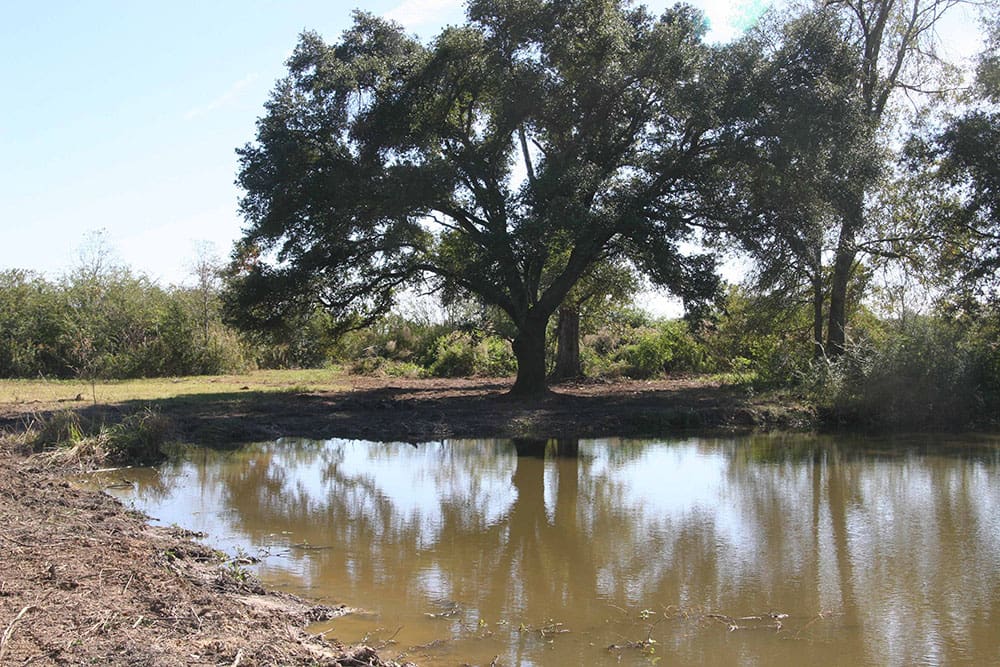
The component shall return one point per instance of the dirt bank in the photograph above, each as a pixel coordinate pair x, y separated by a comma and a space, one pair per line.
84, 581
428, 409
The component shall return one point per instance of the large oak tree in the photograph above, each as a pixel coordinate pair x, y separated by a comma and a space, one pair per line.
504, 159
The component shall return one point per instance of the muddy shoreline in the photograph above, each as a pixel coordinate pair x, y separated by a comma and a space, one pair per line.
393, 409
85, 580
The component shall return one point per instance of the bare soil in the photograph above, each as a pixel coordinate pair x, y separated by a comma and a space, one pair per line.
84, 581
412, 410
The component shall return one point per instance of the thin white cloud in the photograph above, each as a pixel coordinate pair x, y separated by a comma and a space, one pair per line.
222, 100
413, 13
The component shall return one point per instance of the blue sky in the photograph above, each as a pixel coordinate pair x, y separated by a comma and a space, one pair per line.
124, 116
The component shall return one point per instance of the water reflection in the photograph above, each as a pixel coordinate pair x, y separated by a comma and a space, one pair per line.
880, 553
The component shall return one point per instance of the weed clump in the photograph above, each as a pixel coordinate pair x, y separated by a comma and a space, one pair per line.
68, 437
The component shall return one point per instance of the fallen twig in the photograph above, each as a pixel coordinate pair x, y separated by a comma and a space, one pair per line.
552, 629
100, 470
388, 640
13, 541
9, 632
101, 624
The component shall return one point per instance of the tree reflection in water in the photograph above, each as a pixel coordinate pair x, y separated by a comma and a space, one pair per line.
498, 538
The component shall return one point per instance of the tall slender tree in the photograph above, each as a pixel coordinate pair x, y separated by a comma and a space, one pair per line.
812, 123
796, 142
964, 160
897, 40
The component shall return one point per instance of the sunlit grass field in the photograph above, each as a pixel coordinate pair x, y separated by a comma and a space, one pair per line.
41, 394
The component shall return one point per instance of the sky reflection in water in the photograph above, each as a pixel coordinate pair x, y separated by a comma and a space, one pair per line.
879, 552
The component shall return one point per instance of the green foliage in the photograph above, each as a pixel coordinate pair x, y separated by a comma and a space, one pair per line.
459, 354
381, 367
412, 347
759, 340
665, 348
982, 344
928, 372
455, 356
31, 325
797, 144
305, 340
495, 357
186, 345
647, 357
110, 324
967, 160
394, 338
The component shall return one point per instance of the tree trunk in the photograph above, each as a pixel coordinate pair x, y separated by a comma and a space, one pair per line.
836, 335
818, 298
529, 349
843, 267
567, 345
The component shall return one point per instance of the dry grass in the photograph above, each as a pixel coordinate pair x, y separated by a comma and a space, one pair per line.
20, 396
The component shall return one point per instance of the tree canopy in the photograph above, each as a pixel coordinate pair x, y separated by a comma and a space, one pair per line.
967, 156
796, 145
504, 159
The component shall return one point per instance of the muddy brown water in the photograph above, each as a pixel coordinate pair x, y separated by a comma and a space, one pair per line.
761, 550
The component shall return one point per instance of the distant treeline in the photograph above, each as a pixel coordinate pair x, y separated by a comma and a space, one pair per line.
111, 323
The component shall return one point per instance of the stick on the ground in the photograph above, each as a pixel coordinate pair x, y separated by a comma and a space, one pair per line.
9, 632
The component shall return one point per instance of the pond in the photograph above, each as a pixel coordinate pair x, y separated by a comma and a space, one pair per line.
758, 550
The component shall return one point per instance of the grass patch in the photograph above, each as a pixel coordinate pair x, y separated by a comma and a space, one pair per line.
132, 418
45, 395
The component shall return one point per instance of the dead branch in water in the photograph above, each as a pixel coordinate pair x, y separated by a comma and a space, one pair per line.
769, 621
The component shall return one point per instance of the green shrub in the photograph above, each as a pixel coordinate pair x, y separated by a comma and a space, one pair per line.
667, 347
380, 367
596, 365
495, 358
393, 338
648, 357
925, 374
455, 356
458, 354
